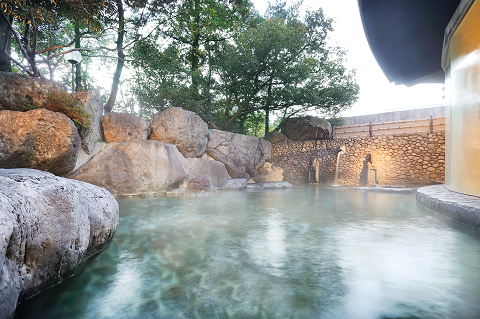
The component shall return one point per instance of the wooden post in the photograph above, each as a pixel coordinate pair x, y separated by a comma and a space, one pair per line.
370, 129
431, 123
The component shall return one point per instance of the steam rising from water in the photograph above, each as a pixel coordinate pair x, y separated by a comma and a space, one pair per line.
309, 252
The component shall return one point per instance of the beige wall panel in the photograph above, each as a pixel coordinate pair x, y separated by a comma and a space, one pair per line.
463, 115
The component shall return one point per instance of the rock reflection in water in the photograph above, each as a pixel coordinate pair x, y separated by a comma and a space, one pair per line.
308, 252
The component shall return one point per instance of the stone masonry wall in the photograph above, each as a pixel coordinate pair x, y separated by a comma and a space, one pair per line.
406, 159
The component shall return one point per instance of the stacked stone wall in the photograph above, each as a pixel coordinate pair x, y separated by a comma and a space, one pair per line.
406, 159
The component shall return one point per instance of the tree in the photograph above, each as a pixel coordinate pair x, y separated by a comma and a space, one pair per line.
5, 47
284, 65
160, 78
196, 23
31, 24
173, 67
121, 56
280, 64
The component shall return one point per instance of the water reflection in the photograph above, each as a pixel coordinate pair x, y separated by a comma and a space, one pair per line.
309, 252
388, 268
267, 244
123, 294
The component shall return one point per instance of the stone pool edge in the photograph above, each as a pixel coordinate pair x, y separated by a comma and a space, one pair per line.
459, 207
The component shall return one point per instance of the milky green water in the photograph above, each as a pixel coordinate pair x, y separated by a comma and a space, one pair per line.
308, 252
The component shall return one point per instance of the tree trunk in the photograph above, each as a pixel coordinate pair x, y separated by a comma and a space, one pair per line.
121, 57
5, 47
242, 125
78, 69
196, 46
267, 108
267, 120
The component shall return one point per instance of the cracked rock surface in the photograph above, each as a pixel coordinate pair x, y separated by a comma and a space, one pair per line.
242, 155
16, 87
39, 139
182, 128
213, 171
48, 227
122, 127
136, 167
92, 102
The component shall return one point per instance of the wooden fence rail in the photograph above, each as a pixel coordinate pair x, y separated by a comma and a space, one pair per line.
387, 128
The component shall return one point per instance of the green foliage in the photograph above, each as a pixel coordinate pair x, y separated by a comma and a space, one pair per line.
42, 31
336, 121
252, 124
284, 64
62, 102
173, 67
40, 12
197, 22
25, 104
161, 78
212, 57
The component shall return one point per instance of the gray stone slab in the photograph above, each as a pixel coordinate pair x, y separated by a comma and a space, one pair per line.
268, 185
379, 189
462, 208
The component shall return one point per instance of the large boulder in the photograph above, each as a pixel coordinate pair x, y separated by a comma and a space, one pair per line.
92, 103
39, 139
48, 226
122, 127
274, 137
16, 87
242, 155
83, 157
269, 173
182, 128
136, 167
307, 128
213, 171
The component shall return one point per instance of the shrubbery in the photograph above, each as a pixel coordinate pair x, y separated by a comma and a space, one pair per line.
62, 102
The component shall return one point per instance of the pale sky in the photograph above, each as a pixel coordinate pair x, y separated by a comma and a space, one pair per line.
376, 93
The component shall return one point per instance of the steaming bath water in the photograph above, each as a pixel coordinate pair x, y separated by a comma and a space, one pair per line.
308, 252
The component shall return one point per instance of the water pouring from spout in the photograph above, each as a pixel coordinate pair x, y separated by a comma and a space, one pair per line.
342, 151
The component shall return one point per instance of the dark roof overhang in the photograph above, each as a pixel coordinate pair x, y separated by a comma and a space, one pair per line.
407, 37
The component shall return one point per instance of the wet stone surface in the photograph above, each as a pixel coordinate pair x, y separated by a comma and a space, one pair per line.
459, 207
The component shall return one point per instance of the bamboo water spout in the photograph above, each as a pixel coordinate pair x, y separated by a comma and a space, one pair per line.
342, 151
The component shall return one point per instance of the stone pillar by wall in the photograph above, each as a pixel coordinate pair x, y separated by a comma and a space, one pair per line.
405, 159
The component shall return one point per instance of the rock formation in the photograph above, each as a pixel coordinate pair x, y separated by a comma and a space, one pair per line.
213, 171
184, 129
16, 87
48, 226
122, 127
241, 183
269, 173
38, 139
269, 185
242, 155
83, 157
274, 137
91, 102
136, 167
307, 128
234, 184
197, 185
